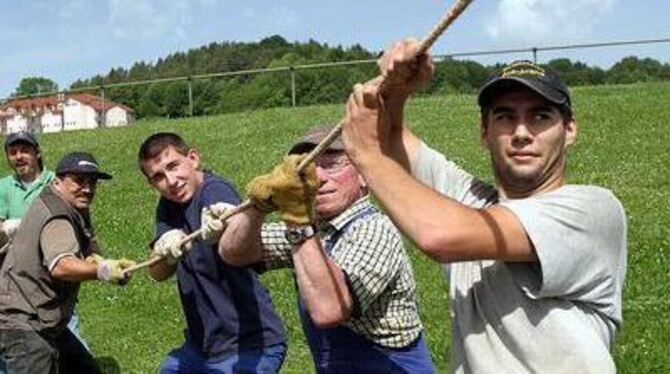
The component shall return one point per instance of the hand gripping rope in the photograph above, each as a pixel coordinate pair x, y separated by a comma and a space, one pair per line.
424, 45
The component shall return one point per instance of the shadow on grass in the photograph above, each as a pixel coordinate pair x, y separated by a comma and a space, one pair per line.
108, 365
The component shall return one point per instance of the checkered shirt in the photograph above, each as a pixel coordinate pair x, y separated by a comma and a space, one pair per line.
371, 254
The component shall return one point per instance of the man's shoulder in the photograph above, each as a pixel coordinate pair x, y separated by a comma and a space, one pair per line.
218, 187
590, 210
370, 221
587, 199
585, 189
47, 176
586, 195
211, 177
7, 181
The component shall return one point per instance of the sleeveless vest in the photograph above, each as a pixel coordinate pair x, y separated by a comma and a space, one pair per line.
28, 292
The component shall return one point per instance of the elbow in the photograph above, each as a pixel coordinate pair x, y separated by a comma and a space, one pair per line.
331, 314
328, 317
158, 274
233, 260
233, 257
58, 273
240, 253
437, 245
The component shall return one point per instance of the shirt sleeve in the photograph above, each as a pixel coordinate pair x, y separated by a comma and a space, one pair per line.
370, 255
276, 249
579, 235
434, 170
58, 240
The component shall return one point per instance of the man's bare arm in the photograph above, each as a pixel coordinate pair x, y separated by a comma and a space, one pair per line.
73, 269
240, 244
321, 284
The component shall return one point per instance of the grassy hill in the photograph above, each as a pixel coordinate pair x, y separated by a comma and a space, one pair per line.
622, 145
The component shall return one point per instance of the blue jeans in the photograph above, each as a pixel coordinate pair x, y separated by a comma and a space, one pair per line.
187, 359
360, 356
73, 325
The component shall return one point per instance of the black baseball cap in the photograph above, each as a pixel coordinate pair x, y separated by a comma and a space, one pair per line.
21, 136
313, 137
543, 80
80, 163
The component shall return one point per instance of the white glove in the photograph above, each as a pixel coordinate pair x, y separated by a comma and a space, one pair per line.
112, 270
10, 226
211, 227
167, 246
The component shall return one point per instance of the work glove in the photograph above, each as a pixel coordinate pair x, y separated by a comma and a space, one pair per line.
94, 259
10, 226
211, 226
167, 246
286, 190
112, 271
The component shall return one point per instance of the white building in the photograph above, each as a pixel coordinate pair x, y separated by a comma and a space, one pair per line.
62, 112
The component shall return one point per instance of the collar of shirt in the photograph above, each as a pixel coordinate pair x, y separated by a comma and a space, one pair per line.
42, 180
338, 222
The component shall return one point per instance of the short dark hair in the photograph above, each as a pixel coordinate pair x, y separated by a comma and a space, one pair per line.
157, 143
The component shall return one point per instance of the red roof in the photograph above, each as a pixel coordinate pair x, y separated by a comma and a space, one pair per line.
52, 102
96, 102
31, 103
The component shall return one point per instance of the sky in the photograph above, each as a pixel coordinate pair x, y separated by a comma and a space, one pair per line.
65, 40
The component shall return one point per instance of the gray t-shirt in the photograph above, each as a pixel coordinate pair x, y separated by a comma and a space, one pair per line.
558, 315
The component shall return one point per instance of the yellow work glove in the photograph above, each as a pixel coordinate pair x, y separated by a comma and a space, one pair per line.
112, 271
94, 259
286, 190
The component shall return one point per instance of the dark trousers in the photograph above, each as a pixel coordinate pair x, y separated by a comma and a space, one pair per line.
29, 352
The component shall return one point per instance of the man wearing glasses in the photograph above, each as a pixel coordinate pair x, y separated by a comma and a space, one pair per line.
357, 299
54, 250
18, 190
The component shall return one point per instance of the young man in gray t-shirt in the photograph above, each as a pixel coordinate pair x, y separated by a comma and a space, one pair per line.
536, 266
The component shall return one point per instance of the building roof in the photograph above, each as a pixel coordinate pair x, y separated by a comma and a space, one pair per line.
96, 102
31, 103
52, 101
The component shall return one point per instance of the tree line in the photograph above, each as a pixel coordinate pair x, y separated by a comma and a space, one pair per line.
313, 86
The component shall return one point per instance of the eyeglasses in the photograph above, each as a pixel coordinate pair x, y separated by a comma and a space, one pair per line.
81, 181
332, 165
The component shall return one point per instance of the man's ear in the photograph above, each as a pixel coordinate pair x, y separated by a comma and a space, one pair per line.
570, 132
194, 156
362, 182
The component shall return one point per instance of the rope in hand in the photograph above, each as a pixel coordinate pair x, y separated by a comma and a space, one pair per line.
424, 45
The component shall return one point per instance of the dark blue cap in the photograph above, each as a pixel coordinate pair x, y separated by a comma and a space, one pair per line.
80, 163
21, 136
544, 81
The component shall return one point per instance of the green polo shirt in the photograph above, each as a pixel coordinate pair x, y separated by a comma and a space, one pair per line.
15, 198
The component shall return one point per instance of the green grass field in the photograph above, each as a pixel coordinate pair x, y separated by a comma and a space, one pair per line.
622, 145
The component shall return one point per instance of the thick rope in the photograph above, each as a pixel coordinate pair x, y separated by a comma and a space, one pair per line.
424, 46
194, 235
